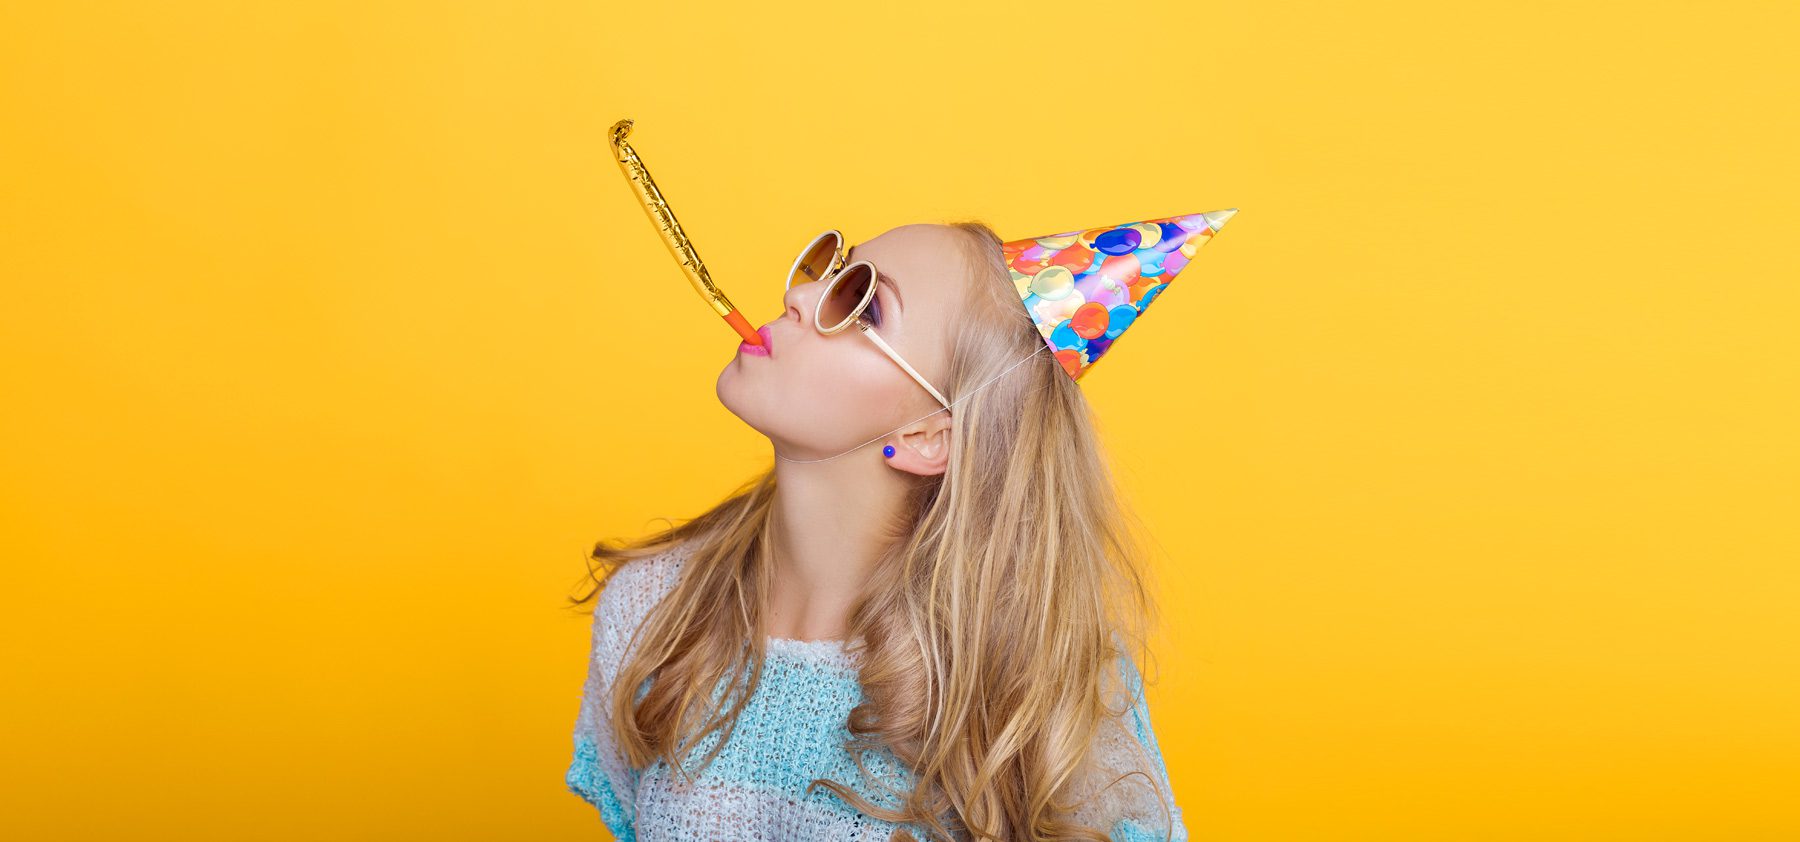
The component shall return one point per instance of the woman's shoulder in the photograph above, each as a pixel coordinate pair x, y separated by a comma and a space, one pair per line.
637, 585
599, 772
628, 595
1126, 786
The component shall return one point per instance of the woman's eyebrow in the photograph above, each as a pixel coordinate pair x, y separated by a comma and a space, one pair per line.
881, 277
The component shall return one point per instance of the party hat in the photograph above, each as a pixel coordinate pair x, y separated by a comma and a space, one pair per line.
1085, 288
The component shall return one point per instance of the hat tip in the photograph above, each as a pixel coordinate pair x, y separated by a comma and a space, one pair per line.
1217, 219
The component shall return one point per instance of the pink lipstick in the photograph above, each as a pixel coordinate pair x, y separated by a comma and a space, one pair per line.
757, 350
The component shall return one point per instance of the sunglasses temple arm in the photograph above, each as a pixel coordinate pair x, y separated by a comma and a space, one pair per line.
896, 358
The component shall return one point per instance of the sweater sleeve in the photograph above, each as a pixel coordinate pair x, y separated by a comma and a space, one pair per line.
1148, 827
598, 771
1125, 788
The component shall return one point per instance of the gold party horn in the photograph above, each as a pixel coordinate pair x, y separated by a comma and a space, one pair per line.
670, 230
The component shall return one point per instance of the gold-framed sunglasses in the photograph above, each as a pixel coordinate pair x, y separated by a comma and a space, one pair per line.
848, 291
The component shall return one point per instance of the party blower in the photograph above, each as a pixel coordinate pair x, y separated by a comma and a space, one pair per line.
664, 219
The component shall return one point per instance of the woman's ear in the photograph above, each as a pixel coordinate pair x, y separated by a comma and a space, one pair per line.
923, 448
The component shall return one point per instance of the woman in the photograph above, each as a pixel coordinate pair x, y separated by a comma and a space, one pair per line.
927, 633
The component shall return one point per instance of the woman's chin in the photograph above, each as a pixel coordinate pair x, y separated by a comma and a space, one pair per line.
729, 389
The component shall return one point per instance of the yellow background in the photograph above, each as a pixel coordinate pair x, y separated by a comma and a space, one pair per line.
332, 338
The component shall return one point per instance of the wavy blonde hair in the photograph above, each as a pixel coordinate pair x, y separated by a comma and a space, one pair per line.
989, 628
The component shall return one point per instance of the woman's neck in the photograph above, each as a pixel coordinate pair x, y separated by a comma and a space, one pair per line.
828, 530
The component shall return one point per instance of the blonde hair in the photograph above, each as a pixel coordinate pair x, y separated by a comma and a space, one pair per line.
990, 626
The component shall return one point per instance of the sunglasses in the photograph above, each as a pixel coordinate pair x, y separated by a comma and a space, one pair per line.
848, 291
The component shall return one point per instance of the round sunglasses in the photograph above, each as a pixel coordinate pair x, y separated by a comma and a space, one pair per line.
848, 291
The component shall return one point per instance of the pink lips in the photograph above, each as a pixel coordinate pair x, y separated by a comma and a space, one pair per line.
758, 350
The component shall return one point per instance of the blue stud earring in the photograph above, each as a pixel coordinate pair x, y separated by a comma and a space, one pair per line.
888, 451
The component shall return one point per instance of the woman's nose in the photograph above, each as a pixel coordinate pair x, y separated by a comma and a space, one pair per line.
800, 299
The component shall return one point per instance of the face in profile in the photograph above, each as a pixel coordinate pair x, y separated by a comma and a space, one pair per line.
815, 395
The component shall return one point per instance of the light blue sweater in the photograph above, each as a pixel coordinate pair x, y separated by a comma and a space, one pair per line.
793, 731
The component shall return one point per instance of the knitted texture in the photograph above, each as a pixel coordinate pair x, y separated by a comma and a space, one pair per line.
792, 731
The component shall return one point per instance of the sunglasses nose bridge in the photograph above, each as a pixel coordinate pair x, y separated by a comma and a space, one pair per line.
807, 298
826, 256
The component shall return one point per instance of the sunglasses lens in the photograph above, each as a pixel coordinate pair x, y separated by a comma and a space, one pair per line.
815, 261
847, 292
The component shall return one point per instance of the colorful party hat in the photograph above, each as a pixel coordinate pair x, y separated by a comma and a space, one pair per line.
1085, 288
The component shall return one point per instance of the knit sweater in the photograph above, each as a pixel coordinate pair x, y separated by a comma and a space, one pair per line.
793, 730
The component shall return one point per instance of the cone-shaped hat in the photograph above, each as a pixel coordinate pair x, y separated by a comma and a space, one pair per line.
1085, 288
